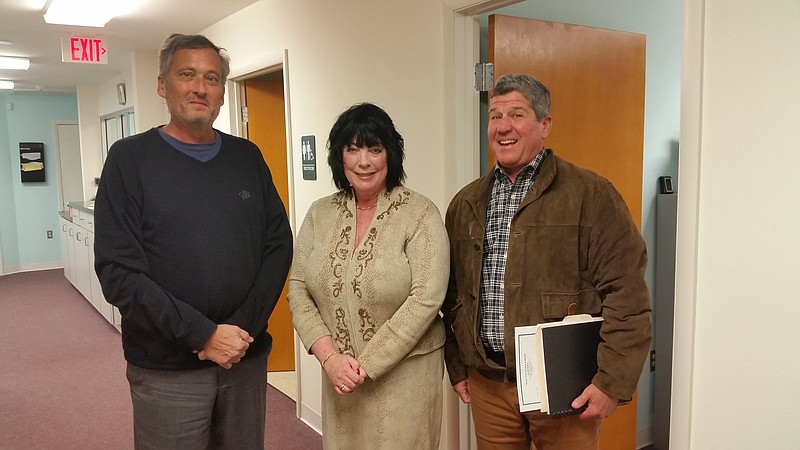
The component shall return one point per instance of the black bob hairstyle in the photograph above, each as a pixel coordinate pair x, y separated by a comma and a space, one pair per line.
366, 124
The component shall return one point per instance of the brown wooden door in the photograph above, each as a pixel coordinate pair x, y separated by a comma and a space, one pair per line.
596, 79
266, 126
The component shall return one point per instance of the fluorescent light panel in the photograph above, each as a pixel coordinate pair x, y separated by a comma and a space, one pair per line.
14, 63
82, 13
6, 84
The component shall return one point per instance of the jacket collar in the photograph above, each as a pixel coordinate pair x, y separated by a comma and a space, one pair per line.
545, 177
478, 199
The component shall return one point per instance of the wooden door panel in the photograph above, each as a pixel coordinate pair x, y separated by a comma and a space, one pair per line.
267, 128
596, 79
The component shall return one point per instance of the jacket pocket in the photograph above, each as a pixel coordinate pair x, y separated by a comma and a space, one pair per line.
555, 305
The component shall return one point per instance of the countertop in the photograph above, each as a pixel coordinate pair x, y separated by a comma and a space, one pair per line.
87, 206
71, 213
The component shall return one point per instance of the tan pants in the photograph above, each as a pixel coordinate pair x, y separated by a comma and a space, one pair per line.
500, 426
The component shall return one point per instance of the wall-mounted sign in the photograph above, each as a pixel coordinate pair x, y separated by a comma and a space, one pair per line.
309, 153
31, 162
86, 50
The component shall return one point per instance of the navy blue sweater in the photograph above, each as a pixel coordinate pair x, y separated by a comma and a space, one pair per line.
183, 245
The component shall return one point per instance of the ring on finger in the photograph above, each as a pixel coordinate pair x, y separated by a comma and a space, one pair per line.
342, 387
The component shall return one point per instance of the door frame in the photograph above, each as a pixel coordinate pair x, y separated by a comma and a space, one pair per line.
266, 63
263, 64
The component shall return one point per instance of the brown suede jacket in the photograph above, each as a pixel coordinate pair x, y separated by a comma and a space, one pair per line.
571, 241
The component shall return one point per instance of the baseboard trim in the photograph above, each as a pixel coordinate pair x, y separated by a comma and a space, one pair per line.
644, 437
311, 418
32, 267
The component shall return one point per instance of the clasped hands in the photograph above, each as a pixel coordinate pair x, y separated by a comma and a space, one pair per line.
226, 346
344, 373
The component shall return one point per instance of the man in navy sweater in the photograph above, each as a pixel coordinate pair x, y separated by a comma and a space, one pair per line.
193, 246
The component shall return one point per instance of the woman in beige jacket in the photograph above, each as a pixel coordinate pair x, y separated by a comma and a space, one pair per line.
370, 272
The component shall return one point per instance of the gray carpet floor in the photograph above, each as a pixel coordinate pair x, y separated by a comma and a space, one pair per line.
62, 374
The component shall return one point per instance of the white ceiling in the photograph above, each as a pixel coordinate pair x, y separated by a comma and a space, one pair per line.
145, 27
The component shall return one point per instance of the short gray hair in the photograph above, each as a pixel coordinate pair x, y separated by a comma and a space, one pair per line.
176, 42
532, 89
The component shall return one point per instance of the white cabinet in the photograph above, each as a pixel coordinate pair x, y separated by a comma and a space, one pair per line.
67, 233
86, 220
77, 246
82, 261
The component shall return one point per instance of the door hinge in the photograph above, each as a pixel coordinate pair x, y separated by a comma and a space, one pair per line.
484, 76
244, 114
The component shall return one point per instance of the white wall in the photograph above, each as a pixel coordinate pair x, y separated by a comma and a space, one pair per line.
141, 85
737, 345
89, 104
108, 102
344, 52
150, 109
101, 100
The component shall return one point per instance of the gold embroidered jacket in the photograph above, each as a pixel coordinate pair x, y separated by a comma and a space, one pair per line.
379, 300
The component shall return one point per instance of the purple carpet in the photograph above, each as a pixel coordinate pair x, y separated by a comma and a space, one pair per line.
62, 374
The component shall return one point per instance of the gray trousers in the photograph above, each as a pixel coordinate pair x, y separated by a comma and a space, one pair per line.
209, 408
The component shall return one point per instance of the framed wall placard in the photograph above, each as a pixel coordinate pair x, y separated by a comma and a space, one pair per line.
31, 162
309, 153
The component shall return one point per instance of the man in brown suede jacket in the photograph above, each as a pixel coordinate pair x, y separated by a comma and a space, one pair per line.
532, 240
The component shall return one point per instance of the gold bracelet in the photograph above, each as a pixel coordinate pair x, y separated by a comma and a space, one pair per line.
328, 357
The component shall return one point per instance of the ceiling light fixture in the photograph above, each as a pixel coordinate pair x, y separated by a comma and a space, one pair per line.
6, 42
82, 13
6, 84
14, 63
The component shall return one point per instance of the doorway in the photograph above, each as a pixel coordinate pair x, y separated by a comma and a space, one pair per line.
591, 72
259, 100
468, 134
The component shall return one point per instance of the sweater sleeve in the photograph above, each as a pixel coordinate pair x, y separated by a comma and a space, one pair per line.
617, 260
427, 251
276, 258
122, 266
306, 316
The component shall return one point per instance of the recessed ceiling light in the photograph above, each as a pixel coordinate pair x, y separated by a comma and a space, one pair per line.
14, 63
82, 13
6, 84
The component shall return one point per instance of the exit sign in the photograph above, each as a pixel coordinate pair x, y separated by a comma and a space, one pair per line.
86, 50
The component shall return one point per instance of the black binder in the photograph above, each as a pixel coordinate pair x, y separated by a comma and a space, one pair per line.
567, 358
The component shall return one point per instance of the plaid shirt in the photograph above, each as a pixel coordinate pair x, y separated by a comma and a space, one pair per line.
503, 204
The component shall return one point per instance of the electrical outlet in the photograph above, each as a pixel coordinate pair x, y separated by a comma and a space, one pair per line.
652, 360
49, 234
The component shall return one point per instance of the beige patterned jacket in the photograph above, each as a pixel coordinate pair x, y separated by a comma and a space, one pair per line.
380, 300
